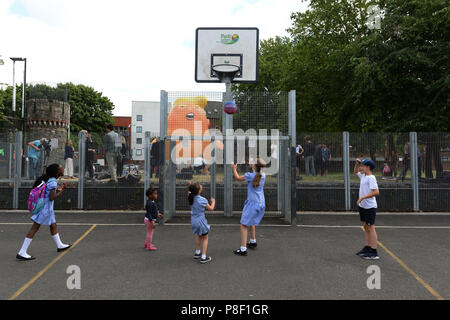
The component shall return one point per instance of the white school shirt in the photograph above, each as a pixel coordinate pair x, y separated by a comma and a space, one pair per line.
367, 185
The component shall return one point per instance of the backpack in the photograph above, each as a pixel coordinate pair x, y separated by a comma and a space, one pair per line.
36, 198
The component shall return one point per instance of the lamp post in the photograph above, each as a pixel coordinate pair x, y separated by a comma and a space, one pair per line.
14, 59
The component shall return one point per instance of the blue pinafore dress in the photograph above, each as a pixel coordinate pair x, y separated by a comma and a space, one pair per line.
46, 216
255, 205
198, 220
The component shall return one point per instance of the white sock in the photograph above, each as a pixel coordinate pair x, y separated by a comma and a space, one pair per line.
23, 250
243, 249
203, 256
58, 242
252, 240
197, 251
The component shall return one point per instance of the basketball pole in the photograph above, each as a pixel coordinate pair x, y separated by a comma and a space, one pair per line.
228, 153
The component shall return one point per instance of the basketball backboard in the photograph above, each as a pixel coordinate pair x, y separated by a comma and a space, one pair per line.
226, 46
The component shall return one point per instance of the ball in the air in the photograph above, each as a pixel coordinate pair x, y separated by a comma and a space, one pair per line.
230, 107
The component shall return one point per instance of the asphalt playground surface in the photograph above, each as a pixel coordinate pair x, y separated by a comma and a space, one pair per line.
313, 260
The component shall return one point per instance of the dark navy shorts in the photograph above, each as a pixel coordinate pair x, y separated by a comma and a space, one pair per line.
367, 215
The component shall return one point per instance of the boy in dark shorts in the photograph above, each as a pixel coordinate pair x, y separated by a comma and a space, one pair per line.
367, 206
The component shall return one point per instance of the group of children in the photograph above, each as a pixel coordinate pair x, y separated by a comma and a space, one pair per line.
252, 213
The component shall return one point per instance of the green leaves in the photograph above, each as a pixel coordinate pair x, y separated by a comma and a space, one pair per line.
355, 78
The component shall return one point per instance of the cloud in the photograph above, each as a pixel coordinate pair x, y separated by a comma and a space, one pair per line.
129, 50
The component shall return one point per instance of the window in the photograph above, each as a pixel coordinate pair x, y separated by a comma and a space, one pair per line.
139, 152
138, 140
139, 117
139, 129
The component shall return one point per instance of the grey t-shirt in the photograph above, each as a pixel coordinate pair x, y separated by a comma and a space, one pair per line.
109, 142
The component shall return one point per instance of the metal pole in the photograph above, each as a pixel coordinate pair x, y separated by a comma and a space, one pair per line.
282, 174
213, 167
228, 155
346, 164
147, 164
163, 172
14, 90
17, 168
23, 91
414, 170
81, 168
293, 158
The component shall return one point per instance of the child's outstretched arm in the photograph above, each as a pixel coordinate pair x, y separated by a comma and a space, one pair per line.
211, 207
356, 168
236, 174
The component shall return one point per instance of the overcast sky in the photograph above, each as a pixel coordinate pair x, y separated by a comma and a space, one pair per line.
129, 50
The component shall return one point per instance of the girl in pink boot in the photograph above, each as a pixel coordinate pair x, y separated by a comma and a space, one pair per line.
150, 217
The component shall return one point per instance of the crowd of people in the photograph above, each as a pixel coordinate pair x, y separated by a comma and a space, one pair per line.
317, 157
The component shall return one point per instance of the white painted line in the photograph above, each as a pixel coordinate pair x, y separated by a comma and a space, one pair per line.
229, 225
378, 227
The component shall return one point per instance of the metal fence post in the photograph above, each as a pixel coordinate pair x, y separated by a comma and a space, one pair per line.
147, 164
291, 169
293, 163
414, 170
81, 168
346, 164
172, 180
17, 168
213, 168
163, 172
282, 166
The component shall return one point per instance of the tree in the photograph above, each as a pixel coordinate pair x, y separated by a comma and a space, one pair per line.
89, 109
352, 77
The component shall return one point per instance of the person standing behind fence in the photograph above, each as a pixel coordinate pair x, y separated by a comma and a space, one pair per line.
89, 154
318, 158
154, 157
34, 157
406, 160
299, 155
310, 148
326, 157
121, 155
110, 150
69, 153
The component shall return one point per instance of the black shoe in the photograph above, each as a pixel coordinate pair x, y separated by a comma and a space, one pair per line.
62, 249
206, 260
251, 245
197, 256
240, 253
363, 251
19, 257
371, 255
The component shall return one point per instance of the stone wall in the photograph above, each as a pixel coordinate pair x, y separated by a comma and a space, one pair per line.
49, 119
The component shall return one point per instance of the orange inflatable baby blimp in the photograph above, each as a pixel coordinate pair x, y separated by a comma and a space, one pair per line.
188, 118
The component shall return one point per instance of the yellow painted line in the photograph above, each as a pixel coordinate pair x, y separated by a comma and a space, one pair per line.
37, 276
410, 271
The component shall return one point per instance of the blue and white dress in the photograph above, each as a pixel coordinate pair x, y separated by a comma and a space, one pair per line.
198, 220
255, 205
46, 216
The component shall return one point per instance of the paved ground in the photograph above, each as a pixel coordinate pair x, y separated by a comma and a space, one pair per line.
314, 260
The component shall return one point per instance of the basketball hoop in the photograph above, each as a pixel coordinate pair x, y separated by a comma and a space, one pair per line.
226, 72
